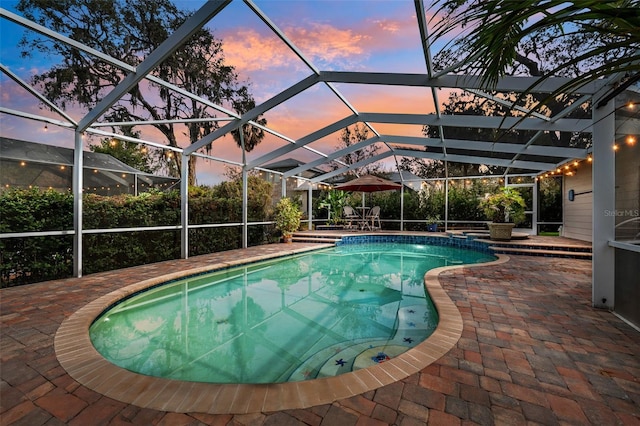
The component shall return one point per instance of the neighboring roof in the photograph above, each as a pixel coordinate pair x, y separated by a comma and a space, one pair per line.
14, 149
288, 164
49, 166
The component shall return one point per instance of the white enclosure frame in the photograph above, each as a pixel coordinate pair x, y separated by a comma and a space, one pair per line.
512, 156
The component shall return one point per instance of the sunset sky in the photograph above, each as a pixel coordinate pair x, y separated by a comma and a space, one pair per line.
375, 36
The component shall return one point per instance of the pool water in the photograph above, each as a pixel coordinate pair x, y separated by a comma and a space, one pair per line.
314, 315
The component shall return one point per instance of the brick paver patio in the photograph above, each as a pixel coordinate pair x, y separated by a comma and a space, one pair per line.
533, 351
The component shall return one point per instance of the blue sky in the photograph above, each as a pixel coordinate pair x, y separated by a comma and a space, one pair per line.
378, 36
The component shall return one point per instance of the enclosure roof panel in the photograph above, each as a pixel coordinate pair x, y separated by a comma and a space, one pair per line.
374, 68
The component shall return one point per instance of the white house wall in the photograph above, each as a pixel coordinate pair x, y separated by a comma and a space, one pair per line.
578, 214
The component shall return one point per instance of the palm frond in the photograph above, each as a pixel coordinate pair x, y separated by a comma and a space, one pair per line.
494, 30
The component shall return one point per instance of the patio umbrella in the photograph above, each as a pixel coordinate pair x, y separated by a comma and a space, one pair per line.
368, 183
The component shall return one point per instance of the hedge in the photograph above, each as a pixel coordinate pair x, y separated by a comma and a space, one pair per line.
32, 259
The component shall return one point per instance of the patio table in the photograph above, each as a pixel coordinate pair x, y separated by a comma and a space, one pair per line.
364, 211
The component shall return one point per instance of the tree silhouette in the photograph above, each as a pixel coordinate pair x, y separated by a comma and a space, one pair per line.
129, 30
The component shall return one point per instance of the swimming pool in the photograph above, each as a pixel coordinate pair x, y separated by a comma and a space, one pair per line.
309, 316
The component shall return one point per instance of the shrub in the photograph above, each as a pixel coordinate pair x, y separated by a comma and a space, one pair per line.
287, 217
32, 259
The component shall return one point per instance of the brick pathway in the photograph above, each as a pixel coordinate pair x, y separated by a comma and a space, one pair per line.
533, 351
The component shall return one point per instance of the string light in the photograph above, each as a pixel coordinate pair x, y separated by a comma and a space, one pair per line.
570, 168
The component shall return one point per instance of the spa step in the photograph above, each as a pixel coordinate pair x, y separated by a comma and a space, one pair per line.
458, 236
545, 252
304, 237
307, 239
484, 235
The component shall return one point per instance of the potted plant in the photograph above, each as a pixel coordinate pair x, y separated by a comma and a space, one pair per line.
287, 217
334, 203
432, 223
505, 209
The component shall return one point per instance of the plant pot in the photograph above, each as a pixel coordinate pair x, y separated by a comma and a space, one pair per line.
501, 231
432, 227
287, 239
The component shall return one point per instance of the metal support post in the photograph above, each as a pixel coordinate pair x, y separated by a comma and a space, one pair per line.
446, 196
402, 207
184, 207
78, 167
310, 207
245, 207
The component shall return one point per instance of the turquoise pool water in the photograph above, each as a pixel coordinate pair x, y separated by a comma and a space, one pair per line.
319, 314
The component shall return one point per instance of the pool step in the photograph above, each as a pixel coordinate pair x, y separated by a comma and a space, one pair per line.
359, 356
517, 246
545, 250
338, 358
412, 325
342, 359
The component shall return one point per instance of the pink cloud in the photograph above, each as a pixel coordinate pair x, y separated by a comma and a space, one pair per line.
250, 51
326, 46
325, 43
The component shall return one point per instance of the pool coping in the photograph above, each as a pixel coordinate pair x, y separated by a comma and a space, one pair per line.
82, 362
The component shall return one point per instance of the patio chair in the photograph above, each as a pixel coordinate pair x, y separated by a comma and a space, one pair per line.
372, 220
351, 216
